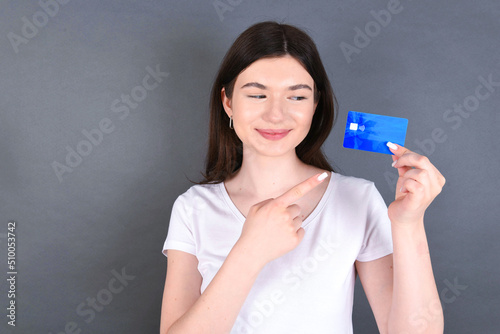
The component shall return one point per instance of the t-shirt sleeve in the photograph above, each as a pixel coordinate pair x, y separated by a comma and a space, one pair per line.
180, 232
377, 240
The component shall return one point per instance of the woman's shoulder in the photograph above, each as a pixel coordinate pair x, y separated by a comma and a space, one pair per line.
207, 190
352, 184
197, 198
351, 180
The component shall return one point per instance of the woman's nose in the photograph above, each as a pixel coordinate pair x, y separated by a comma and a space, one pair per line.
275, 109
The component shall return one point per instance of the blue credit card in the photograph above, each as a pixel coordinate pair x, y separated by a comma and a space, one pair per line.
371, 132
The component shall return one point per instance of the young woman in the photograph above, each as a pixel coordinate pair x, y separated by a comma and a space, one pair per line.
272, 240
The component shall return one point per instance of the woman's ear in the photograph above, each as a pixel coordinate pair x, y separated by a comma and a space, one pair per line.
226, 102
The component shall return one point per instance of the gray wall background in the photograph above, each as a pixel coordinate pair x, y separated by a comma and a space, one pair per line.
109, 215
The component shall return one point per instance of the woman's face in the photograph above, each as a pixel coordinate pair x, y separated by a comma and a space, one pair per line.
272, 106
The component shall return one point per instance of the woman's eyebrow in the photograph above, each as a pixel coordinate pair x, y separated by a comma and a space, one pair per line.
254, 84
261, 86
300, 86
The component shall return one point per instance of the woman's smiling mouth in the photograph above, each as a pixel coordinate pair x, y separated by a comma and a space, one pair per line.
273, 134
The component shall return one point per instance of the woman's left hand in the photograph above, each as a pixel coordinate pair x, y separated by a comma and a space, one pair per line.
418, 184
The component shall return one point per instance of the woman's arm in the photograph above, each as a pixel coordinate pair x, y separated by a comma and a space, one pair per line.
185, 311
404, 300
401, 288
416, 307
415, 303
182, 287
271, 229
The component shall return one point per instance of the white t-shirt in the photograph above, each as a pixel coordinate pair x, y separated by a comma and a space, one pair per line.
311, 288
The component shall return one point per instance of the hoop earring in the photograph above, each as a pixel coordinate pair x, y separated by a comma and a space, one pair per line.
231, 122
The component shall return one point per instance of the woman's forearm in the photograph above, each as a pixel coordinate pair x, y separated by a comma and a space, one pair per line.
219, 305
416, 307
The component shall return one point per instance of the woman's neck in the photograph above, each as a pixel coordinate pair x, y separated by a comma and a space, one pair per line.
268, 177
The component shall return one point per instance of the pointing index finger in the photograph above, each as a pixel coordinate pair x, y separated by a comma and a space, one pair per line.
302, 188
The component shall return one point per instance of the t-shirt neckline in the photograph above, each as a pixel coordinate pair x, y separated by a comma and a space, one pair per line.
312, 215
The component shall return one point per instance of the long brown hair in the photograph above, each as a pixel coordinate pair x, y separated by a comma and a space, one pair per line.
264, 40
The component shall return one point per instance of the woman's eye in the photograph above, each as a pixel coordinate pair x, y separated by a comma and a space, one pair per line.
257, 96
298, 98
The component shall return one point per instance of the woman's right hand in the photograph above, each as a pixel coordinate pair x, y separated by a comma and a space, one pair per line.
273, 227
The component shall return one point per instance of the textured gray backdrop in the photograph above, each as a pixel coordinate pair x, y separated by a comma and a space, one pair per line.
104, 117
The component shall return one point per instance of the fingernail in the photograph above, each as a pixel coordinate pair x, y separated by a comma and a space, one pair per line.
323, 176
391, 145
394, 162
